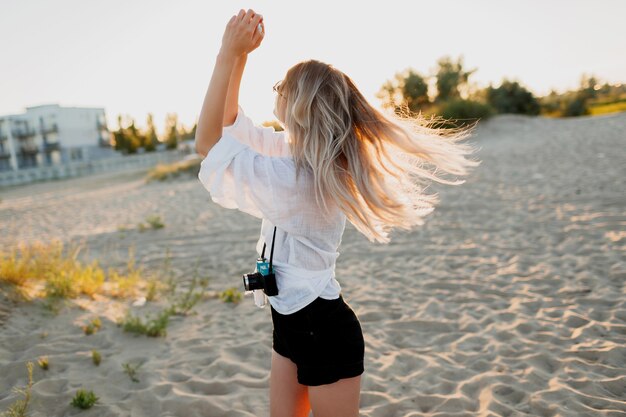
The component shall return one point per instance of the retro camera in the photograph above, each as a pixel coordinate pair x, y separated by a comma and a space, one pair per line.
262, 281
261, 278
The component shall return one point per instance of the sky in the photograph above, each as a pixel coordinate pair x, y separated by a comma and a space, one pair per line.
134, 57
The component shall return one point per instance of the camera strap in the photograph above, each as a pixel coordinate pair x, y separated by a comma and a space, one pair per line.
271, 251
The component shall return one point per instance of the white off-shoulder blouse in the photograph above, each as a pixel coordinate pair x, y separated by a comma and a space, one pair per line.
251, 169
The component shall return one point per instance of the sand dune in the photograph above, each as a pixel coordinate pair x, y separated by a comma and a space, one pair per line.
509, 301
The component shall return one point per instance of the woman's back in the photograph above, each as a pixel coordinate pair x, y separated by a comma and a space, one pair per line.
251, 169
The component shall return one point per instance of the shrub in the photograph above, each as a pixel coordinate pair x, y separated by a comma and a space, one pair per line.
576, 107
511, 97
464, 110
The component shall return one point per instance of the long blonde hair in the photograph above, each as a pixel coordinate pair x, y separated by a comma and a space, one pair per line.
371, 165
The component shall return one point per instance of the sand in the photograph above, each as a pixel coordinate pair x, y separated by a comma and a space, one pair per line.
509, 301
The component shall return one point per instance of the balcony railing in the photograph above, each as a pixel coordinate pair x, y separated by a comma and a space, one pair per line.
51, 146
29, 149
23, 132
53, 128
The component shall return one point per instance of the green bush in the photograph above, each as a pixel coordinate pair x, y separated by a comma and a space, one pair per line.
511, 97
576, 107
461, 112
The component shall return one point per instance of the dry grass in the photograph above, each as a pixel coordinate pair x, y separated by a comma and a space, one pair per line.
162, 172
50, 271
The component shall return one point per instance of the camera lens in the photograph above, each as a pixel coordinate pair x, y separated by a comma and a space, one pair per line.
253, 281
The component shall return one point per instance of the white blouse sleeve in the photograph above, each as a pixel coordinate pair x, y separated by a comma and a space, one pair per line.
263, 139
238, 177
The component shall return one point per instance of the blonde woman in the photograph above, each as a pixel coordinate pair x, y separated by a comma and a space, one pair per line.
337, 159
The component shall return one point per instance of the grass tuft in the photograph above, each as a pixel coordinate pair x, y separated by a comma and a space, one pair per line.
231, 295
96, 357
84, 399
19, 407
153, 327
93, 326
43, 363
163, 172
131, 370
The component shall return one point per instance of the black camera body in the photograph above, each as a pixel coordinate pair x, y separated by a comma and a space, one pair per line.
263, 278
259, 281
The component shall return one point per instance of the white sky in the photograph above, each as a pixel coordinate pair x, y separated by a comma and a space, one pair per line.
135, 57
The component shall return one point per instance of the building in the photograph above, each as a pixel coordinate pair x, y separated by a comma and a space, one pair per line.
49, 135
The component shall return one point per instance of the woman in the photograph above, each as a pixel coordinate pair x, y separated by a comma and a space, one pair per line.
338, 158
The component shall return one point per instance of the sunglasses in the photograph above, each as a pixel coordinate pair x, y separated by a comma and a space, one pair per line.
275, 88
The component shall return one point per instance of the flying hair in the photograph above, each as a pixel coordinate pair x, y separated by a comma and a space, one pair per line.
374, 166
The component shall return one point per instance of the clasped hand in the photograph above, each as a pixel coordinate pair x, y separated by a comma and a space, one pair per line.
242, 34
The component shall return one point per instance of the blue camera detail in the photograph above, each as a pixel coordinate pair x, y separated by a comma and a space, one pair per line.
263, 266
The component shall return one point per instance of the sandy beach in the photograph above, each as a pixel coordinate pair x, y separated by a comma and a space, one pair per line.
509, 301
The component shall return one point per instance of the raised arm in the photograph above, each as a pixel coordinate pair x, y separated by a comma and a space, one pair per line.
209, 129
240, 37
232, 98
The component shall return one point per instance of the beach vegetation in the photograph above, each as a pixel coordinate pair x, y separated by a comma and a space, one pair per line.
96, 357
20, 406
153, 221
182, 302
93, 326
84, 399
152, 289
131, 371
447, 92
150, 326
53, 271
43, 362
187, 167
459, 112
512, 97
231, 295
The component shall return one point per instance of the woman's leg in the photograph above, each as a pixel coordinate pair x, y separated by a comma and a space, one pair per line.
288, 398
340, 398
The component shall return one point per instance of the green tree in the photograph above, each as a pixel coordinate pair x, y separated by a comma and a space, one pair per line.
135, 137
119, 137
171, 131
408, 87
451, 78
126, 138
577, 106
589, 86
150, 138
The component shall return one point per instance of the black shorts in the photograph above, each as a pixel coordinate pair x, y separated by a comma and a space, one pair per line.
324, 340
